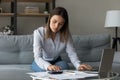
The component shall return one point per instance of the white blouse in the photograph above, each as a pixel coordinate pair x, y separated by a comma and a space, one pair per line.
48, 50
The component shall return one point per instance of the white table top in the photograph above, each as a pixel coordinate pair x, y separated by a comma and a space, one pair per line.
70, 74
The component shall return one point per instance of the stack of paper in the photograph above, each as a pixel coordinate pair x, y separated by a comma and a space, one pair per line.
65, 75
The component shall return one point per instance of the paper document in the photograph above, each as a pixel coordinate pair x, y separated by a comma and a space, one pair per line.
68, 74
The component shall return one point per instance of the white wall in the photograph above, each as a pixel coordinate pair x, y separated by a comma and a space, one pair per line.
85, 16
88, 16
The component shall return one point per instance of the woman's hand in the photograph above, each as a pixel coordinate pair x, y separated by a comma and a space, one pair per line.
54, 68
84, 67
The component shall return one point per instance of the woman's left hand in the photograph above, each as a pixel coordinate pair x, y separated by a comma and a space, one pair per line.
84, 67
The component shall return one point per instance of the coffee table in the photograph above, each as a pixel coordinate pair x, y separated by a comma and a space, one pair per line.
73, 75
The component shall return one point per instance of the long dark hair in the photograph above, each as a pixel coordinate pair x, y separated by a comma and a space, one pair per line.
64, 31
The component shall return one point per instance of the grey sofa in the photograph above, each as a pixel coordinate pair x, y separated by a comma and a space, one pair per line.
16, 54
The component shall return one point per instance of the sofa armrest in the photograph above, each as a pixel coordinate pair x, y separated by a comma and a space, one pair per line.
117, 57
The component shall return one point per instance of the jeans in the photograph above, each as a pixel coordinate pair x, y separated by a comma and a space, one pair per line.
62, 64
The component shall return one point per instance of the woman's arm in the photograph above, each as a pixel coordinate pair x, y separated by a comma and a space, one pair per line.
72, 52
38, 49
73, 56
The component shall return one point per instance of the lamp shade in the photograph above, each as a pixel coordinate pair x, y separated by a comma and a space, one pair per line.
112, 18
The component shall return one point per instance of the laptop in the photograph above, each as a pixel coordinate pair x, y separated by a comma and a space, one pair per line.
105, 66
106, 62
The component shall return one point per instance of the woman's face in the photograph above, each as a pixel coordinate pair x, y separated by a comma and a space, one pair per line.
56, 23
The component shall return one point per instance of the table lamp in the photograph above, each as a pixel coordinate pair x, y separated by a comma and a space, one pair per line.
113, 21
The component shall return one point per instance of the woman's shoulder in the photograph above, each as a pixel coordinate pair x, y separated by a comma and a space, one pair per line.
40, 30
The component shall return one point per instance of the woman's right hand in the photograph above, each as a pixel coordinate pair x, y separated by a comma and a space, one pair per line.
54, 68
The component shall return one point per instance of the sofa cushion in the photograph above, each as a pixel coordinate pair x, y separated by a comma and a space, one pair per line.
89, 47
16, 49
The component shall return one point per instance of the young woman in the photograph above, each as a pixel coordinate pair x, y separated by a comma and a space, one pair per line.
50, 40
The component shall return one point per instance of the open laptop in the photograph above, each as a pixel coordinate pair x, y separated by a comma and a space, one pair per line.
106, 62
105, 66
